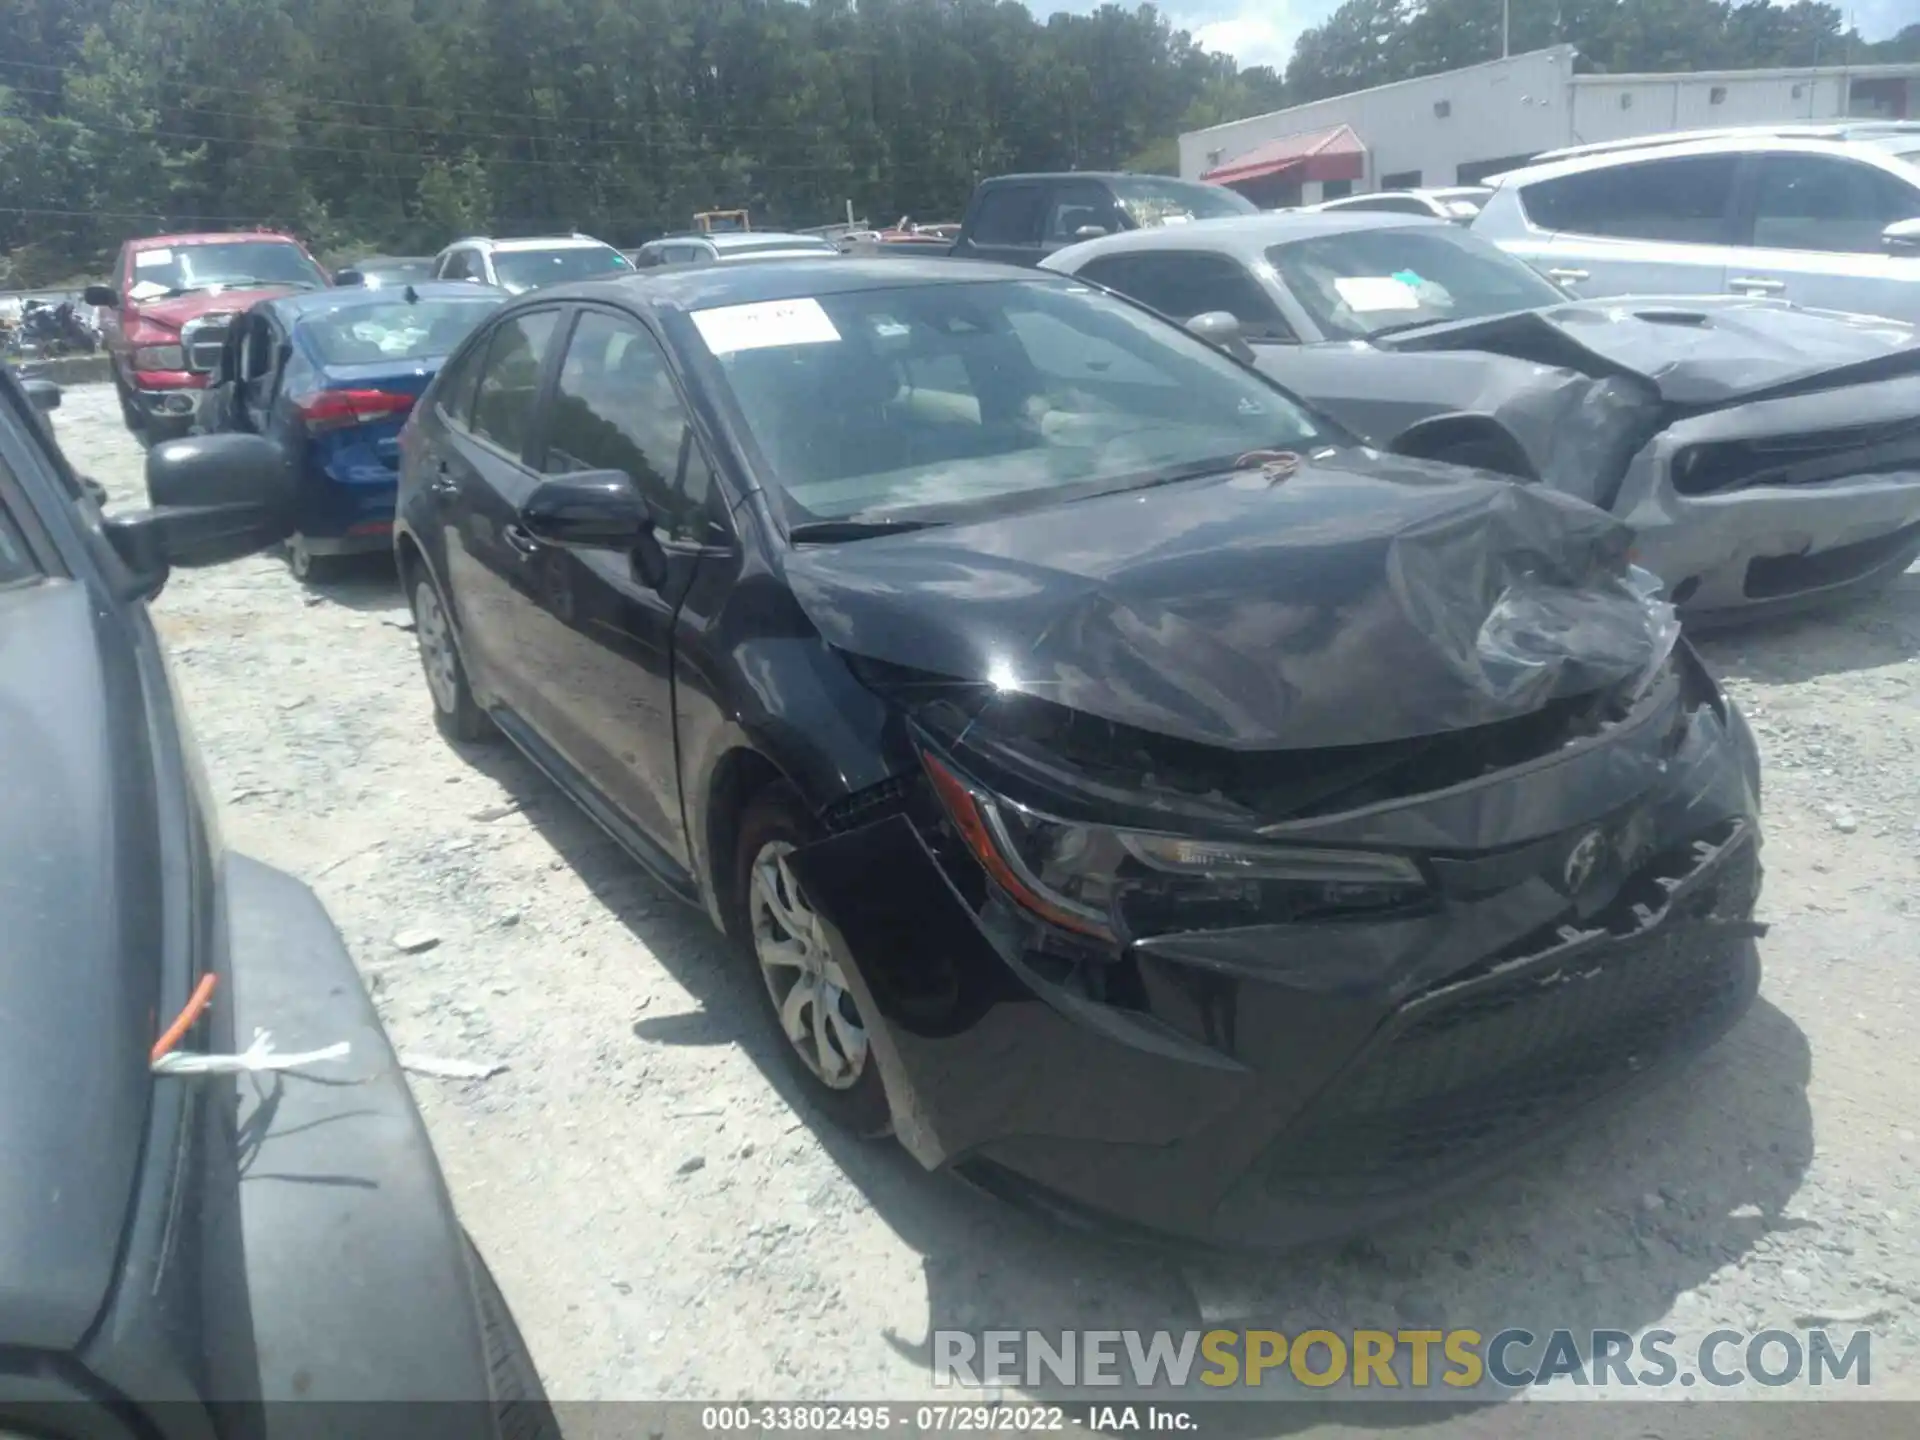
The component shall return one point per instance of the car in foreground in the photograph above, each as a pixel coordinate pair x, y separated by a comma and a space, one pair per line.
1137, 794
724, 246
190, 1238
527, 263
329, 378
390, 271
172, 297
1828, 222
1458, 203
1765, 455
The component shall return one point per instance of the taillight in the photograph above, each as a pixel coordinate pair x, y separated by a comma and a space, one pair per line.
339, 409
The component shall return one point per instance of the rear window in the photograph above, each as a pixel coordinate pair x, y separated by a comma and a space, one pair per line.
368, 334
530, 269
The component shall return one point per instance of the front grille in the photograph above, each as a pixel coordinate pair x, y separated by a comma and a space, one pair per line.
1478, 1065
1852, 452
203, 339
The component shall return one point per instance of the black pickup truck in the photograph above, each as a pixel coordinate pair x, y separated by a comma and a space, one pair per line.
181, 1254
1022, 219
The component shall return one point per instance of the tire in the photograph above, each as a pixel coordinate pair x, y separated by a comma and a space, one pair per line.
455, 711
521, 1409
851, 1093
130, 415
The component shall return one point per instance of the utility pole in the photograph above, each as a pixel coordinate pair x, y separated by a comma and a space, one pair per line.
1506, 8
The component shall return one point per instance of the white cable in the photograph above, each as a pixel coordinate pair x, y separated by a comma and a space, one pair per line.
257, 1057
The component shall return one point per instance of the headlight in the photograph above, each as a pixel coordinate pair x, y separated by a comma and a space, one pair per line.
160, 357
1107, 882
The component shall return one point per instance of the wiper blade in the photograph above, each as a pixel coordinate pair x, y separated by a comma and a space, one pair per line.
829, 532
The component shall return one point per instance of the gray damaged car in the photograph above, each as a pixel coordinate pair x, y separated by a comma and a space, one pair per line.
1767, 456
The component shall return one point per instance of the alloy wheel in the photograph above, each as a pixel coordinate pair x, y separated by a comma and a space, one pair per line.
803, 978
437, 656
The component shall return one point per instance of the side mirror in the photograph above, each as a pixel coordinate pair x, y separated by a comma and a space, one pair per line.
1090, 232
1902, 237
43, 395
102, 295
349, 277
1221, 329
211, 498
597, 510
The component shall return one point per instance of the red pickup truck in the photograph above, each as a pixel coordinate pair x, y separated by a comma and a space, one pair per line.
168, 309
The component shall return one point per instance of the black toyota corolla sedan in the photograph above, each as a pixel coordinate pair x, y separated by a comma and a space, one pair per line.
1138, 795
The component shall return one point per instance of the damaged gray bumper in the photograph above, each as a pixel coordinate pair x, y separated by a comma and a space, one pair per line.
1780, 503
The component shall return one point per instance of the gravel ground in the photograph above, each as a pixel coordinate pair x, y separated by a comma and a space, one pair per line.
667, 1222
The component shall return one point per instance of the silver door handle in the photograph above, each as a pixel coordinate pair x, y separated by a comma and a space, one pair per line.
1566, 276
1754, 282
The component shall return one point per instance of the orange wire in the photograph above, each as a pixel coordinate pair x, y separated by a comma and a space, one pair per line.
196, 1007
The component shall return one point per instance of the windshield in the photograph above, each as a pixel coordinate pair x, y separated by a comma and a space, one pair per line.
233, 264
1151, 201
1362, 282
530, 269
368, 334
936, 400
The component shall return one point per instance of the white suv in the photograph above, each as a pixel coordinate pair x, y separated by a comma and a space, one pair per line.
1830, 221
517, 266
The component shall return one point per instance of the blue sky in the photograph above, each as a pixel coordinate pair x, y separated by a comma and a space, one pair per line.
1262, 32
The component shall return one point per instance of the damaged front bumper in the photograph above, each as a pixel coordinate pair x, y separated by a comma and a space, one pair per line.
1586, 925
1777, 504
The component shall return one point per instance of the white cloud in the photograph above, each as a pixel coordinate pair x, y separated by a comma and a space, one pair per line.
1252, 39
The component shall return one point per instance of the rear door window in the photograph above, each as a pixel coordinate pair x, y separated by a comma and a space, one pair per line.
1684, 200
1081, 205
503, 404
1823, 202
1184, 283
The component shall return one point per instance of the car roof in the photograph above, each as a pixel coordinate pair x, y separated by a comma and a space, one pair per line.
1843, 130
532, 242
1096, 175
700, 287
392, 260
1245, 234
1729, 143
208, 237
739, 239
309, 303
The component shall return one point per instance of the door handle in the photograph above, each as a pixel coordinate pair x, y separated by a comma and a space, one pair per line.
1756, 283
443, 482
1566, 276
520, 539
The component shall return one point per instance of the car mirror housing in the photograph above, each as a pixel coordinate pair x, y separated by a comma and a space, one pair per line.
1902, 237
211, 498
1090, 232
104, 296
596, 510
1221, 329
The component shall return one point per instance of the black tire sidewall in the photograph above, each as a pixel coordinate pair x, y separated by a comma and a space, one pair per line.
777, 813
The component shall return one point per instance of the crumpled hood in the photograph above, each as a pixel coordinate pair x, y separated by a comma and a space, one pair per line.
178, 309
1696, 351
1365, 599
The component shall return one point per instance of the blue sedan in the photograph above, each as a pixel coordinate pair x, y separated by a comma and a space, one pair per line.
332, 376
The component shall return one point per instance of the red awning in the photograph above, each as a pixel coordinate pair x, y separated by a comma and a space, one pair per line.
1335, 154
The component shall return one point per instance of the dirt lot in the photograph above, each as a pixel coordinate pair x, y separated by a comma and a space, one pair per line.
667, 1224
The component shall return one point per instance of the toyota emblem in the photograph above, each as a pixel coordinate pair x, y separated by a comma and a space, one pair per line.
1582, 861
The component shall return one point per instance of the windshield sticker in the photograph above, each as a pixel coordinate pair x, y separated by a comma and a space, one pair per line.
764, 326
1365, 293
145, 259
1407, 277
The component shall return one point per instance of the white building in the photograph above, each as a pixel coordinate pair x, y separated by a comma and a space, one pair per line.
1466, 124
